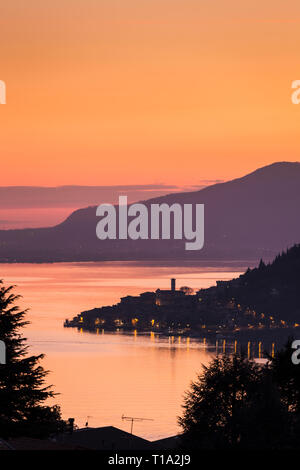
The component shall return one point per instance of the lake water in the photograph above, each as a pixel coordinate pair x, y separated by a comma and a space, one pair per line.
101, 377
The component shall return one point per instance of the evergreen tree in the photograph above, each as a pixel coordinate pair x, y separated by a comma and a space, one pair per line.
235, 403
212, 407
261, 264
22, 380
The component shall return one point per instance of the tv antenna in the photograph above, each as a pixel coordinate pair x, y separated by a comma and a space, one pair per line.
130, 418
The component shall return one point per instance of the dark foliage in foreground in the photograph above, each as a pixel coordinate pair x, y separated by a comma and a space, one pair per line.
22, 379
238, 404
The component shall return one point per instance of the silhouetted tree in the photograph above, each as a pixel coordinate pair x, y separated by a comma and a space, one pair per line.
234, 403
261, 264
22, 379
287, 376
187, 290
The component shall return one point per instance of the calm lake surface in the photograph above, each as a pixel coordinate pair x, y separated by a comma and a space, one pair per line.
101, 377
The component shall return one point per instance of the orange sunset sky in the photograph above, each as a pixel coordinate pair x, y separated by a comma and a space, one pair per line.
146, 91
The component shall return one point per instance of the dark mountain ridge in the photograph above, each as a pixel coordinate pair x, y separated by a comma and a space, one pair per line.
247, 218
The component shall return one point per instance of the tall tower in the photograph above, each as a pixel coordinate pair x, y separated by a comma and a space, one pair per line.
173, 284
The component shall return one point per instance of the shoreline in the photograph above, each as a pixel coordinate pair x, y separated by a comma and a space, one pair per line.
279, 335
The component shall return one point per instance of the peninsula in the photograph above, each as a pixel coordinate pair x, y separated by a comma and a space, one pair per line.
262, 298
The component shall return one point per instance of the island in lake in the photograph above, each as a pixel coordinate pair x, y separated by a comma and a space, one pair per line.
265, 298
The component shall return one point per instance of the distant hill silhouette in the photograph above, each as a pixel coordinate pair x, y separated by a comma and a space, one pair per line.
12, 197
247, 218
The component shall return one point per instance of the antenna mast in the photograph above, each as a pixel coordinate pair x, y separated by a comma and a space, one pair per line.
132, 419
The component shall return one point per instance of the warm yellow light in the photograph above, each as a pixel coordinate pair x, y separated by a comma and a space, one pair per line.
273, 350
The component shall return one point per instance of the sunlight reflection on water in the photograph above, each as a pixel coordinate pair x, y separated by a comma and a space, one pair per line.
106, 375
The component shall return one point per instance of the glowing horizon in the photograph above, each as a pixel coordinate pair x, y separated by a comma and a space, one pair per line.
134, 92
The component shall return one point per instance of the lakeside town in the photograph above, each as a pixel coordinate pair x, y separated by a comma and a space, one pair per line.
179, 312
264, 298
